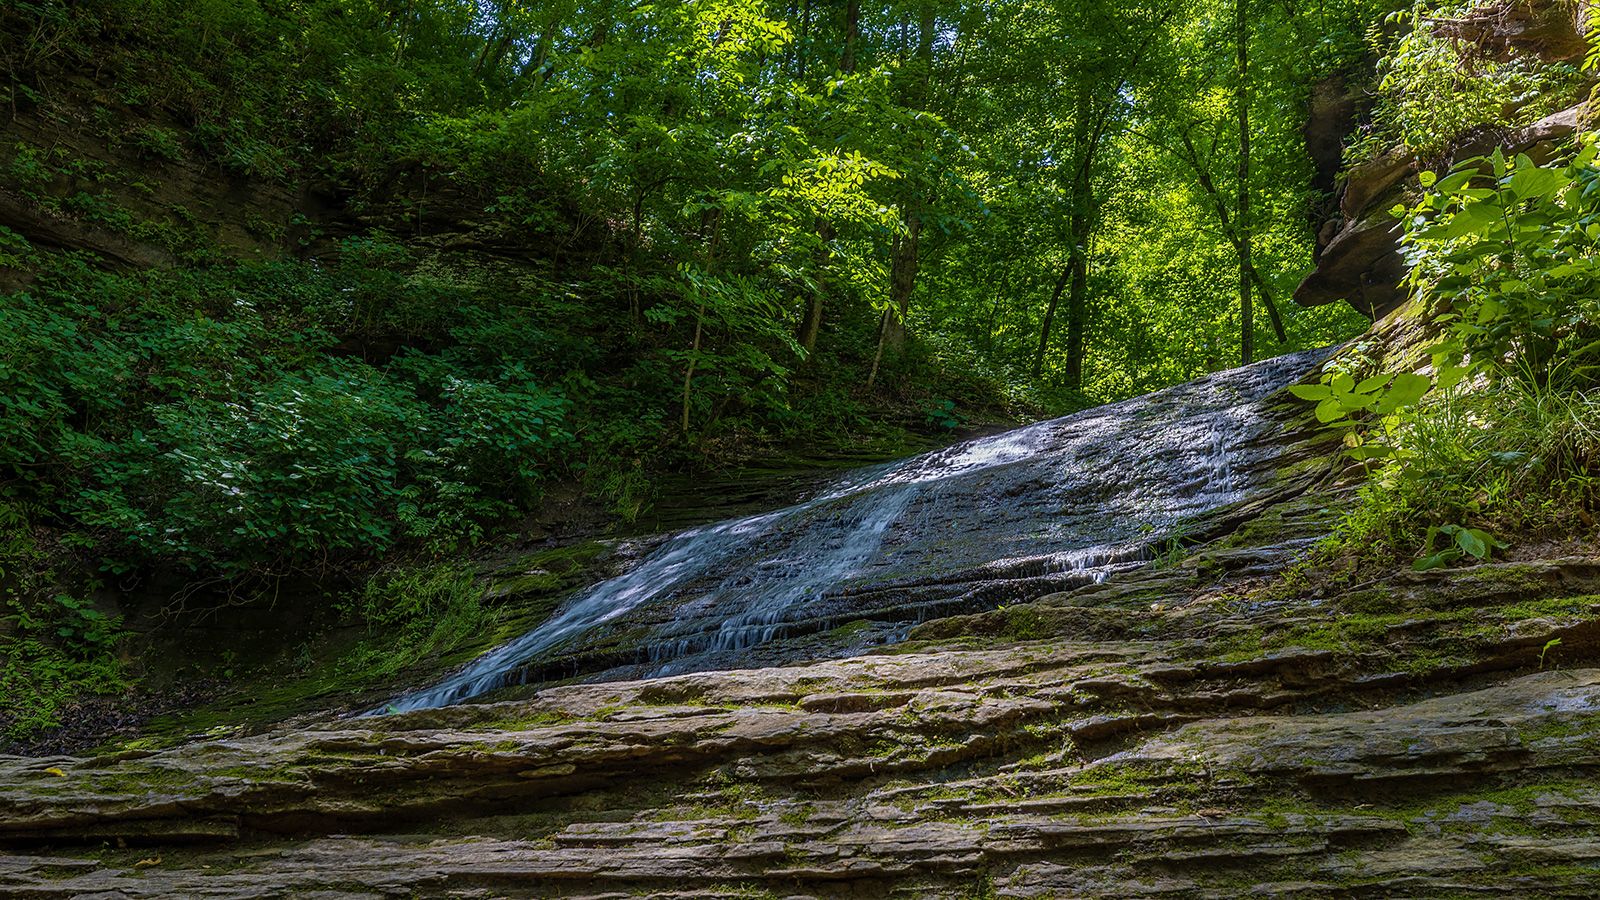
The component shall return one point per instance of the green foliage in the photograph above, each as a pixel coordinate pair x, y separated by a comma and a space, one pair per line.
412, 614
199, 419
1502, 436
733, 137
1513, 457
1433, 85
645, 206
1511, 249
943, 414
1360, 408
1473, 542
38, 679
1548, 646
55, 647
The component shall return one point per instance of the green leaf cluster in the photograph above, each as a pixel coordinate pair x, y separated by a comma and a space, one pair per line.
206, 420
1510, 251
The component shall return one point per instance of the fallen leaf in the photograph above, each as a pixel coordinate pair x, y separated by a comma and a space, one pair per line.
56, 772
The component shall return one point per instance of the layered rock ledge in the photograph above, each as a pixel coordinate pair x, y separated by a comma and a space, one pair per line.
1188, 730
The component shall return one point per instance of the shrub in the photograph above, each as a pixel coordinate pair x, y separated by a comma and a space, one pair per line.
1504, 434
413, 614
203, 418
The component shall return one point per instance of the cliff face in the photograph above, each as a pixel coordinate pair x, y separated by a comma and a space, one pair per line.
1209, 724
81, 175
1358, 246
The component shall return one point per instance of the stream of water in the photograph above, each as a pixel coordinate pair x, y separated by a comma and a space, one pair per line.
1045, 507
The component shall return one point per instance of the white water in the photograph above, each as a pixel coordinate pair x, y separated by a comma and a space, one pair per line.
1051, 505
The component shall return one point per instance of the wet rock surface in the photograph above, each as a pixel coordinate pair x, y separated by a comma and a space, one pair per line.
1198, 725
1156, 735
1003, 519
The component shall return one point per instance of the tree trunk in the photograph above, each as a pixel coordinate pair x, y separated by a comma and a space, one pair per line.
994, 313
688, 372
1086, 135
903, 259
852, 35
711, 221
812, 324
535, 65
883, 330
902, 281
1218, 204
1078, 298
926, 23
1242, 102
1050, 315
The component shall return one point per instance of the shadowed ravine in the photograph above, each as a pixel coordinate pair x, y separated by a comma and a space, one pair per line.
1002, 519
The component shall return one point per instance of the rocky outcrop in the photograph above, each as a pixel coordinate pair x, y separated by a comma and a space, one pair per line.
133, 196
1360, 259
1194, 729
1358, 249
1545, 30
1215, 723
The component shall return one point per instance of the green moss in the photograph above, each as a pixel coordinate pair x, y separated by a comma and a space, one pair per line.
1584, 729
850, 629
545, 572
1586, 605
1022, 622
1112, 779
796, 815
541, 719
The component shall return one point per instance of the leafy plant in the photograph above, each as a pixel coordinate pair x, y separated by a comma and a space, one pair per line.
1548, 646
1509, 249
1502, 436
1473, 542
942, 413
1361, 408
1432, 84
412, 613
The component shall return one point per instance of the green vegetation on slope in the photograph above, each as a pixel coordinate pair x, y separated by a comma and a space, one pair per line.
1501, 436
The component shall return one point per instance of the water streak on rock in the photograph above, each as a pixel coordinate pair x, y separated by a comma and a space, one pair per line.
1042, 508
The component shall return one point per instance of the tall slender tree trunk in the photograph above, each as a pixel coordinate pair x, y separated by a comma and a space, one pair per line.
1241, 100
1050, 315
877, 356
711, 220
688, 372
994, 312
811, 325
1075, 281
1078, 295
903, 264
903, 254
1075, 277
1263, 291
852, 35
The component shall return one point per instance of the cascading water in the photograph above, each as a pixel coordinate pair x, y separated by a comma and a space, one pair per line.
1043, 508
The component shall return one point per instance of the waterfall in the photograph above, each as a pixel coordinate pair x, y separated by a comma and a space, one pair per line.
1045, 507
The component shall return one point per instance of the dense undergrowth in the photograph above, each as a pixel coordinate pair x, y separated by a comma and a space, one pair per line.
1498, 441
